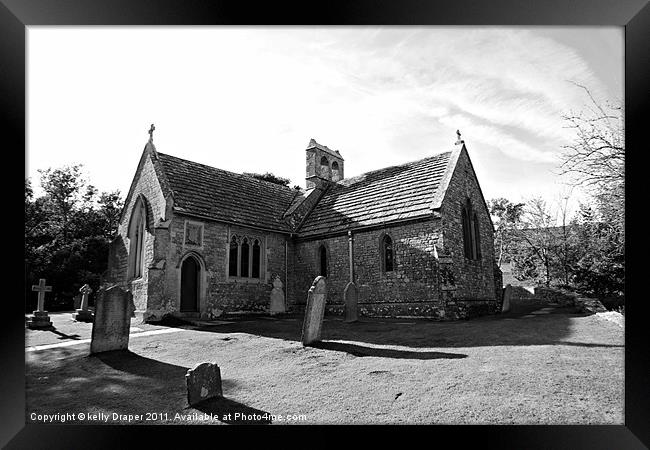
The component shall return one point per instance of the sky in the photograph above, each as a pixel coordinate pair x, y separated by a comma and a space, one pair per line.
249, 99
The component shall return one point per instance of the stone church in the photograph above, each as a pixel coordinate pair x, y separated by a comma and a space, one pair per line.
198, 241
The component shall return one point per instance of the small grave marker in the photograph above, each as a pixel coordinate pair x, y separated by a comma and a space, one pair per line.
351, 298
112, 320
277, 297
83, 314
507, 295
203, 382
40, 319
314, 312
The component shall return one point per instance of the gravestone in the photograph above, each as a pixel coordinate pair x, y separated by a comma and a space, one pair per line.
83, 314
277, 297
41, 318
203, 382
351, 298
507, 295
112, 320
314, 312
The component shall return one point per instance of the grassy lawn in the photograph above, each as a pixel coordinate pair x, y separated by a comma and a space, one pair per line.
534, 365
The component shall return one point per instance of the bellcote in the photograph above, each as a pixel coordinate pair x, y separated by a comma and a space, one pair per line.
323, 164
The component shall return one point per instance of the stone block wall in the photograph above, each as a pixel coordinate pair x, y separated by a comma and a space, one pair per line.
411, 289
477, 279
218, 293
553, 295
148, 187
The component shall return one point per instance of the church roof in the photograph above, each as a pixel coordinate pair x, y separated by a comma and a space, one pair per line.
381, 196
226, 196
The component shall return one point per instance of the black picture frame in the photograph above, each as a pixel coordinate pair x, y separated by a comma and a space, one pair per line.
634, 15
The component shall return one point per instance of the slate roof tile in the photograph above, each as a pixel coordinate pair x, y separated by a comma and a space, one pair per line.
228, 196
384, 195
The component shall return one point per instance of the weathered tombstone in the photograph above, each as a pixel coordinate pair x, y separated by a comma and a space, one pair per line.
112, 320
83, 314
277, 297
507, 295
314, 312
351, 298
40, 319
76, 301
203, 382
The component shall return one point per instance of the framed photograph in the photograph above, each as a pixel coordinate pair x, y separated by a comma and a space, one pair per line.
355, 213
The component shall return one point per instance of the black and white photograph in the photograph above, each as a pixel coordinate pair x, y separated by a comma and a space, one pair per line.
325, 225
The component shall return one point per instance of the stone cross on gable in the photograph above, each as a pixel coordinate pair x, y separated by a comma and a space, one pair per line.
41, 289
459, 141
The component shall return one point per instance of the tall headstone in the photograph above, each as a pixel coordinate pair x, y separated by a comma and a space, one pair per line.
507, 295
41, 318
313, 322
83, 314
351, 298
112, 320
277, 297
203, 382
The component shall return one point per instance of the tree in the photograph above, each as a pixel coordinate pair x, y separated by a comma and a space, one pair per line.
596, 157
63, 189
67, 233
270, 178
600, 266
538, 234
596, 160
508, 219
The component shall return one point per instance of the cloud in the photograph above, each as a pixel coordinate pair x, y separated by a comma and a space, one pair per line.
249, 98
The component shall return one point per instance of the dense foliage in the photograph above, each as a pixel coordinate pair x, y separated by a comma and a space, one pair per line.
67, 233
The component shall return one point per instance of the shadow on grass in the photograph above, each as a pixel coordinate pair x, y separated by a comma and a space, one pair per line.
359, 350
65, 336
232, 412
516, 328
134, 364
588, 344
114, 382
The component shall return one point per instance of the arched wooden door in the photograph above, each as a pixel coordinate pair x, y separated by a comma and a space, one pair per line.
190, 272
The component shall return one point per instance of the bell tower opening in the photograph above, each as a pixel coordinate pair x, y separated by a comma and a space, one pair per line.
324, 165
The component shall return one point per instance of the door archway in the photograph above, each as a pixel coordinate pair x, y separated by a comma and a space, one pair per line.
190, 281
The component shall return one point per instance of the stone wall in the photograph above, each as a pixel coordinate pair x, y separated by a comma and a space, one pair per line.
157, 292
411, 289
218, 293
477, 280
148, 187
449, 287
553, 295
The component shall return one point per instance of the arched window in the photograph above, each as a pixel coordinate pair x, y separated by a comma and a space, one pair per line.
137, 237
322, 257
232, 257
325, 171
244, 258
471, 232
387, 253
477, 237
255, 271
